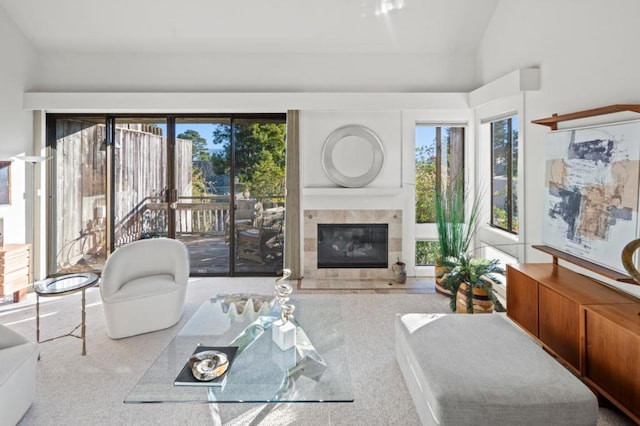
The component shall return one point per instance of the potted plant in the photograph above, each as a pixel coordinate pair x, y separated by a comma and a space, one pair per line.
470, 281
454, 233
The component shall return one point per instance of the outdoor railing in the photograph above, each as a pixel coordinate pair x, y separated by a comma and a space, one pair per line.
196, 215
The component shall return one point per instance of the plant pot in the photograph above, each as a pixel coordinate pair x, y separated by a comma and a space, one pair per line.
441, 271
399, 272
482, 303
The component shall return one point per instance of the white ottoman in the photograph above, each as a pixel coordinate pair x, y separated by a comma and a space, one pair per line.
482, 370
18, 358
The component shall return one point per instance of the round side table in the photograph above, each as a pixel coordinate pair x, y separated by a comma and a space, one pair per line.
62, 286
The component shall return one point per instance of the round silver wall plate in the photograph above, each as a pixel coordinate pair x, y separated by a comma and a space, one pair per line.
377, 155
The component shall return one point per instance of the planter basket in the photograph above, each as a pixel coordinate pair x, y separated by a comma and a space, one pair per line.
441, 271
482, 303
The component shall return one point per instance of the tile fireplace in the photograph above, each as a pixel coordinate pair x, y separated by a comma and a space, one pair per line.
351, 244
357, 245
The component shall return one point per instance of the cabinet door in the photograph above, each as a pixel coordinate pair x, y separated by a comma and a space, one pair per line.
612, 354
559, 326
522, 300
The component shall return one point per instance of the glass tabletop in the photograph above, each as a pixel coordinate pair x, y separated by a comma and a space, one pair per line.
316, 370
65, 284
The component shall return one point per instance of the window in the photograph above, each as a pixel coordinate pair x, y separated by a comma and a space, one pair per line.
427, 252
504, 174
439, 158
5, 182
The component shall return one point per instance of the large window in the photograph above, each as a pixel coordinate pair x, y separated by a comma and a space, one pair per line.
504, 174
439, 158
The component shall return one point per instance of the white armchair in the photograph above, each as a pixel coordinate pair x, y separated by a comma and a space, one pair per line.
143, 286
18, 360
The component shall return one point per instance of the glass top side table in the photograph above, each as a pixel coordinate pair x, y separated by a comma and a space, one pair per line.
62, 286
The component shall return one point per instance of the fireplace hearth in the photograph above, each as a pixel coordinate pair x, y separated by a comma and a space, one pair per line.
352, 245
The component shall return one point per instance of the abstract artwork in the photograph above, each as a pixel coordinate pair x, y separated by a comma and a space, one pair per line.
591, 191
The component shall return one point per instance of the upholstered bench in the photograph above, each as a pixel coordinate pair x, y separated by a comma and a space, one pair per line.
482, 370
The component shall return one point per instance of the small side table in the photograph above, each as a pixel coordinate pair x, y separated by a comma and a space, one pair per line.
61, 286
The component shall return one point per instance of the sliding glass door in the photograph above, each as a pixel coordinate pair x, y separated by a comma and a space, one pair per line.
259, 175
78, 184
140, 181
214, 182
203, 202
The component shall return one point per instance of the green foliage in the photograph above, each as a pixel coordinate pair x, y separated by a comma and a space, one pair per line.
426, 252
476, 273
198, 183
199, 149
505, 165
454, 235
268, 177
259, 155
425, 184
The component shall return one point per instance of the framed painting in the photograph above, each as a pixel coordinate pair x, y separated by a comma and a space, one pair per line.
591, 191
5, 182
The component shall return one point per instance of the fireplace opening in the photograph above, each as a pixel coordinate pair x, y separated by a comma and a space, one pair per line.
353, 245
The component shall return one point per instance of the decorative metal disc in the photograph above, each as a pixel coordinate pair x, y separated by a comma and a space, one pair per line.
376, 164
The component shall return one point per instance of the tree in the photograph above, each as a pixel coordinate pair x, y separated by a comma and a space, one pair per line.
199, 149
505, 151
198, 184
425, 184
259, 155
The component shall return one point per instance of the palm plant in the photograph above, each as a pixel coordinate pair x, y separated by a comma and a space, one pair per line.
475, 272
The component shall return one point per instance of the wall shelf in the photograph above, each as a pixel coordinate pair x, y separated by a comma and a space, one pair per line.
552, 122
352, 192
590, 266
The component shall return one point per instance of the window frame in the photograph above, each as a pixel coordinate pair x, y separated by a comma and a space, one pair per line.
5, 173
427, 231
508, 174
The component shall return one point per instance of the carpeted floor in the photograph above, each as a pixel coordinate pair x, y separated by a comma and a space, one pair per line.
89, 390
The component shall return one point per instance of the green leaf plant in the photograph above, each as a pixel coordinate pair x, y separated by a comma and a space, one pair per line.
475, 272
454, 233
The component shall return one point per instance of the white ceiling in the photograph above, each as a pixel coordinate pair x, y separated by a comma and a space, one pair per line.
252, 26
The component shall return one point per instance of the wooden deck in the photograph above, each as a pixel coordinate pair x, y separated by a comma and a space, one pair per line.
208, 255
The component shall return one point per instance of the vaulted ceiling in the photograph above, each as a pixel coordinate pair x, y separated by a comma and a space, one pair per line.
253, 26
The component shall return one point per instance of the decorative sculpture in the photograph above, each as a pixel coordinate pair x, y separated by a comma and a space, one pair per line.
627, 259
283, 331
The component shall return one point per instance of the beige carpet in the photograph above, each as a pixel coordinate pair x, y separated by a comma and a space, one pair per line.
89, 390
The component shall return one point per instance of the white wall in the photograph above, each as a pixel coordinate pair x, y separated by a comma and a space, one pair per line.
16, 125
255, 73
587, 53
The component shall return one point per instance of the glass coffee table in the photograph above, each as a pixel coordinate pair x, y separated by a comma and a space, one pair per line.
316, 370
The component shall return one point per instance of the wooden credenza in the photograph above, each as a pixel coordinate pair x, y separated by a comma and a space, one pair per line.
15, 269
593, 329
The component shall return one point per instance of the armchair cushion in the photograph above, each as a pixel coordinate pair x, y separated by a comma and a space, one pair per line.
145, 287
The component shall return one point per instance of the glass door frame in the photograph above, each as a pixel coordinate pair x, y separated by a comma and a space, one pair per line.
170, 195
